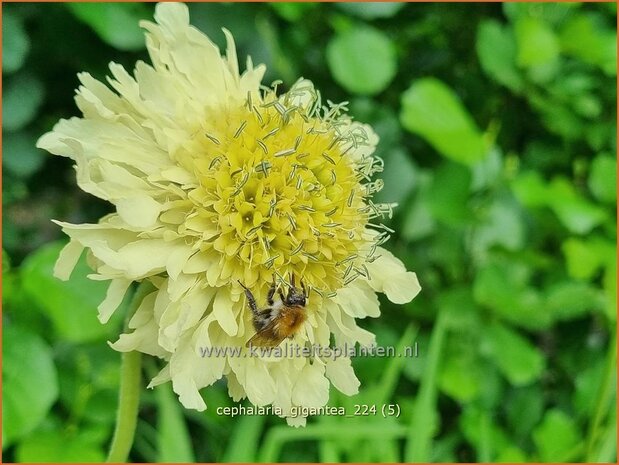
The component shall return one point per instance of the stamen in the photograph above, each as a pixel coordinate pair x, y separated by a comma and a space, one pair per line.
271, 132
297, 249
213, 138
284, 153
350, 198
310, 256
328, 158
240, 129
263, 167
262, 146
213, 161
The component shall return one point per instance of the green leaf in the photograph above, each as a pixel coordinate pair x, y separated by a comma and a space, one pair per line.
553, 13
530, 189
448, 194
537, 43
496, 49
518, 360
59, 447
23, 96
292, 11
419, 221
400, 175
511, 454
585, 257
460, 377
459, 309
173, 441
501, 225
557, 438
6, 263
610, 286
524, 407
588, 384
245, 438
362, 60
481, 431
20, 156
576, 213
115, 23
603, 178
432, 110
425, 418
71, 305
588, 37
504, 287
571, 299
371, 10
30, 382
15, 41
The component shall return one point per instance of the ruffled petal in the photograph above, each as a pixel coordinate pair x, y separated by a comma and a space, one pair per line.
389, 276
342, 376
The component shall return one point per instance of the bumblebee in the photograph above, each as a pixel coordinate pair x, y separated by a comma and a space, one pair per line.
280, 318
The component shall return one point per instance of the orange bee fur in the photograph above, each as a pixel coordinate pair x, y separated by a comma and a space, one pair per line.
280, 319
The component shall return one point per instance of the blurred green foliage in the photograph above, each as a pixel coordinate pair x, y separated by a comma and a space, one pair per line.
498, 131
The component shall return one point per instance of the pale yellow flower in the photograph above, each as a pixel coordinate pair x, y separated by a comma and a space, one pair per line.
217, 179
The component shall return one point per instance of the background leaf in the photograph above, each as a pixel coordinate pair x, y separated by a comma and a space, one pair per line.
30, 382
556, 437
496, 48
116, 24
362, 60
371, 10
15, 42
430, 109
71, 305
23, 95
515, 357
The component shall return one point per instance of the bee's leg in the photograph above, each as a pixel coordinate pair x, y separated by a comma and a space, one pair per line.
271, 292
261, 319
292, 289
292, 283
250, 299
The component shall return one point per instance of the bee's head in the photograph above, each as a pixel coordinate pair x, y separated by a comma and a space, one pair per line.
296, 298
295, 295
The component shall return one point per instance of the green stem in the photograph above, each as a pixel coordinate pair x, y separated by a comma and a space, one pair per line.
129, 394
424, 423
603, 399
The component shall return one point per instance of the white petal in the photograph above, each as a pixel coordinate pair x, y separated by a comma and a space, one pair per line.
114, 296
223, 311
389, 276
144, 313
140, 211
142, 339
296, 422
358, 300
342, 376
235, 390
253, 375
345, 328
311, 388
231, 58
162, 377
188, 393
68, 258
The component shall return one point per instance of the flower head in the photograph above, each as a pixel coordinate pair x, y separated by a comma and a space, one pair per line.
220, 182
